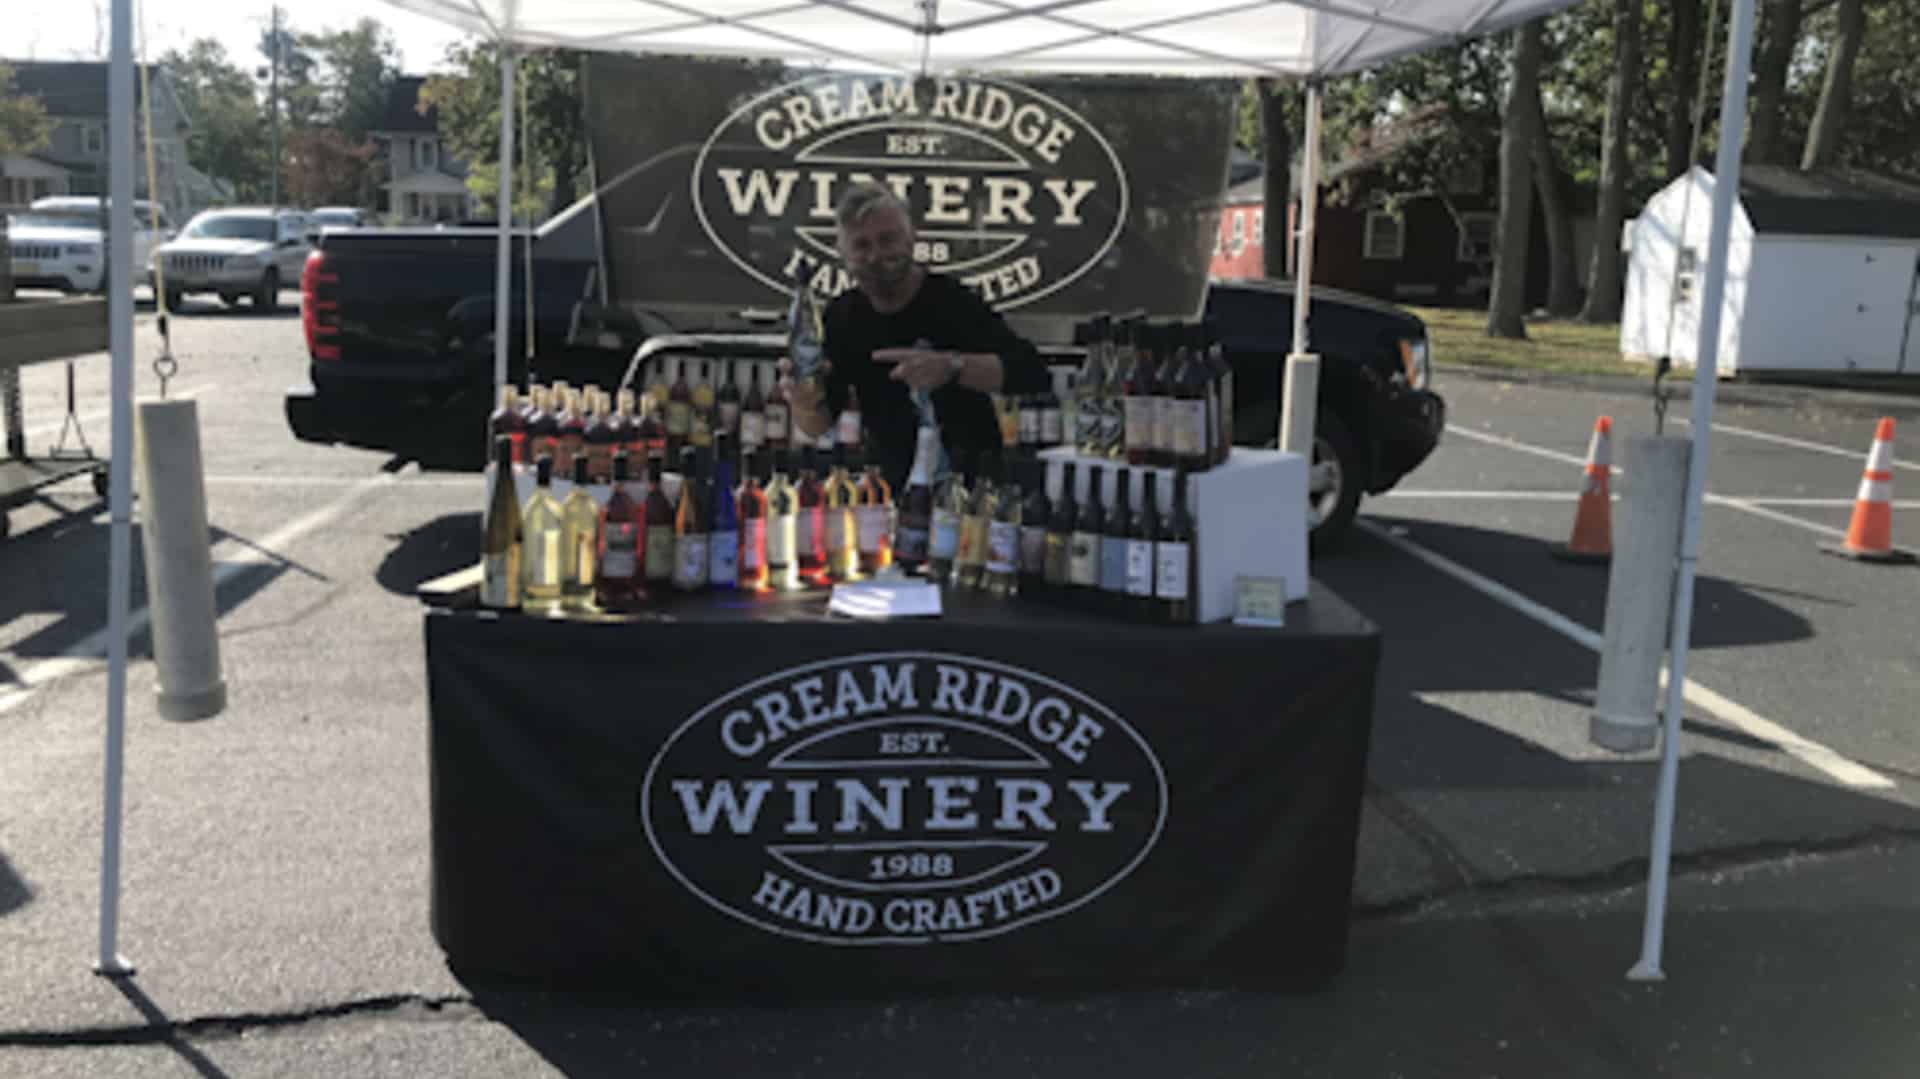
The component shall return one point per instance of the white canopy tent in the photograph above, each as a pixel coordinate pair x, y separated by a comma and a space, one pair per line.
1306, 39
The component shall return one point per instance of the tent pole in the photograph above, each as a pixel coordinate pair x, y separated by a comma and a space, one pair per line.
1726, 187
1301, 394
503, 268
120, 469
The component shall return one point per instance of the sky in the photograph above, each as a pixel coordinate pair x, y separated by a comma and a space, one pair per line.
66, 29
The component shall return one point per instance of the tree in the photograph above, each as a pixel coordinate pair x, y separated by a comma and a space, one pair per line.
1683, 64
1277, 118
228, 139
1550, 182
358, 69
1781, 34
1507, 308
1823, 138
555, 134
1603, 279
24, 128
324, 167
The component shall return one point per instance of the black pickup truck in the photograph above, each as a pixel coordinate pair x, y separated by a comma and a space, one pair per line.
399, 329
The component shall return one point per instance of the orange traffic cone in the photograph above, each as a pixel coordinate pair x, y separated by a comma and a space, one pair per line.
1592, 539
1870, 534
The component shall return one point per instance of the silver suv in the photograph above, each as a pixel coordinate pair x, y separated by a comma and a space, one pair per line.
235, 252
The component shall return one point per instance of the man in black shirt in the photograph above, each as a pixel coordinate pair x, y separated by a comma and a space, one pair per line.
906, 328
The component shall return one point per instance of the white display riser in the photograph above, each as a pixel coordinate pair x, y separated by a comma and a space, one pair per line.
1249, 517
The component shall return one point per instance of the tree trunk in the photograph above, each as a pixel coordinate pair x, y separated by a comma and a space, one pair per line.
1276, 127
1507, 307
1770, 79
1603, 277
1563, 278
1683, 62
1830, 116
564, 181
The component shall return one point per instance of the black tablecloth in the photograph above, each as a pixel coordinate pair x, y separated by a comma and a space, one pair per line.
744, 796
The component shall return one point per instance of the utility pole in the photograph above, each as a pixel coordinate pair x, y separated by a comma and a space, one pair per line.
273, 106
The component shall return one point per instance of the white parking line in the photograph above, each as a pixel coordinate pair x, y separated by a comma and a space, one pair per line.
1748, 502
94, 417
1813, 754
1859, 455
87, 652
249, 479
1524, 447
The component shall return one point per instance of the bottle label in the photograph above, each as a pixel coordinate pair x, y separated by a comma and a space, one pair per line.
729, 415
1083, 559
804, 528
753, 545
1113, 564
701, 433
723, 558
870, 522
500, 580
679, 415
1139, 568
1050, 426
1033, 549
1190, 427
659, 552
946, 533
543, 557
1170, 571
849, 428
1087, 423
836, 521
910, 543
1003, 546
1029, 425
1113, 423
1139, 423
753, 429
776, 422
619, 561
780, 539
690, 569
1163, 423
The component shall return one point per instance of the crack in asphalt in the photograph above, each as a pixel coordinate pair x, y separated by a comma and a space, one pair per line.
1488, 894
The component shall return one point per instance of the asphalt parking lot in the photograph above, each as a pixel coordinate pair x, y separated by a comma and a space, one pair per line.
276, 864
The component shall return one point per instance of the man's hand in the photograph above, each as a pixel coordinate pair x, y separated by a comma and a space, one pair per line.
919, 368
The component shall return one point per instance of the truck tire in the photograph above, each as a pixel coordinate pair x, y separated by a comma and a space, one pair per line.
1333, 484
174, 299
266, 298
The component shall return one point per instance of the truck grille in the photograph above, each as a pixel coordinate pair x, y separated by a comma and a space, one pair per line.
36, 252
195, 263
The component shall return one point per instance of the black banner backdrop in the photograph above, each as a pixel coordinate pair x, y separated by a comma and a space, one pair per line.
1052, 197
745, 799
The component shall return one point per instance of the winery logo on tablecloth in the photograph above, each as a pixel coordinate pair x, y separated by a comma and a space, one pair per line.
1011, 191
902, 798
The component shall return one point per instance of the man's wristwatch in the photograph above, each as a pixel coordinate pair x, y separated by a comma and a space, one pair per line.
955, 364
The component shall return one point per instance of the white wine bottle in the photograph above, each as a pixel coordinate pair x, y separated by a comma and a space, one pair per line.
500, 535
541, 531
579, 541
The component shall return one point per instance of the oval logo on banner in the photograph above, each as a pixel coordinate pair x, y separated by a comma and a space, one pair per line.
902, 798
1011, 191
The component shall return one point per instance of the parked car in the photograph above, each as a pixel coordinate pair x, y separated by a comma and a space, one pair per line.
338, 217
61, 242
235, 252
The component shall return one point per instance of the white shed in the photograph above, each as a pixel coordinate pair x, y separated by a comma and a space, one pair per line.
1823, 273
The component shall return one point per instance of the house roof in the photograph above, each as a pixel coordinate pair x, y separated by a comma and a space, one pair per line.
66, 87
1830, 202
403, 115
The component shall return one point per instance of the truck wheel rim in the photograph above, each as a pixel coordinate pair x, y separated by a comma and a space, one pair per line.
1323, 483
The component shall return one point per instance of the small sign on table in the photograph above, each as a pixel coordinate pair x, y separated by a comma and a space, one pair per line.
1260, 601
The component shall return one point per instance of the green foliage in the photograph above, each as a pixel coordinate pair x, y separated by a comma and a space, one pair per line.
228, 140
358, 69
23, 120
555, 134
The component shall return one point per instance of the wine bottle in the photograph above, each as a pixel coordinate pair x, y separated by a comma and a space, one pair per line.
1173, 560
848, 427
1028, 406
753, 414
872, 517
1034, 517
701, 419
601, 439
783, 508
913, 530
658, 391
541, 543
573, 428
626, 432
679, 419
500, 535
508, 420
651, 431
657, 545
1001, 577
690, 528
1141, 535
969, 563
752, 500
727, 402
543, 426
1113, 544
1088, 387
1221, 371
617, 586
1113, 414
948, 509
779, 417
1050, 419
841, 531
1195, 443
580, 517
1083, 559
1141, 401
1060, 528
723, 523
810, 526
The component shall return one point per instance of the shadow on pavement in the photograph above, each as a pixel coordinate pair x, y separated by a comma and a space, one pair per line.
436, 548
14, 892
158, 1019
